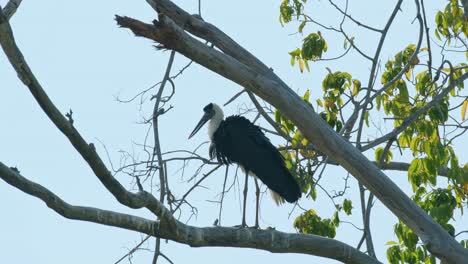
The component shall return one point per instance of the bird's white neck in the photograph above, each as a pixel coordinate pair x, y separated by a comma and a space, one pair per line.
215, 121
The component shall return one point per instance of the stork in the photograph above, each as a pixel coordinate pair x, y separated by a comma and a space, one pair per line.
237, 140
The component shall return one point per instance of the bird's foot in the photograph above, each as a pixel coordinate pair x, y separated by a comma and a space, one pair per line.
255, 227
243, 225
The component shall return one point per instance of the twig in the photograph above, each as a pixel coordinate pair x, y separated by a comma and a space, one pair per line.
133, 250
234, 97
195, 185
428, 41
354, 20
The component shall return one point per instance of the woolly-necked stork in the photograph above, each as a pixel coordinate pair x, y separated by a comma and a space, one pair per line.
237, 140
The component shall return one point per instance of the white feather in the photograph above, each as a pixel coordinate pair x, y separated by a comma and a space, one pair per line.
274, 195
215, 120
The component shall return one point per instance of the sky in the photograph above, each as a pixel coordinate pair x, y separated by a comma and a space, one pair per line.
84, 62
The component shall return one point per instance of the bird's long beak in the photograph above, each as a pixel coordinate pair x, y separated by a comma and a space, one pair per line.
200, 124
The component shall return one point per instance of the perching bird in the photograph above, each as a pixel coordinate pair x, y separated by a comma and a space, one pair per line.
237, 140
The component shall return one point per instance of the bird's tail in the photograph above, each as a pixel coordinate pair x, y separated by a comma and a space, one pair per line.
276, 197
289, 188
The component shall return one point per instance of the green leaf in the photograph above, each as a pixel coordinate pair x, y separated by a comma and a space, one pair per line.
295, 52
301, 26
463, 109
278, 116
310, 223
313, 46
366, 118
394, 254
293, 60
347, 206
306, 95
378, 154
286, 12
430, 169
436, 32
413, 169
336, 219
378, 100
313, 194
307, 66
319, 102
356, 87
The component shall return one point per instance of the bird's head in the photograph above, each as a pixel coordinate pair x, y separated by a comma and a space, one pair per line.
212, 112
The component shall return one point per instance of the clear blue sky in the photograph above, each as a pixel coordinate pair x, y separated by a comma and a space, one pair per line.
83, 60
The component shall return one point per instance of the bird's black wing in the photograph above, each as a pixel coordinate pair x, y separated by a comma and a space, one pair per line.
238, 140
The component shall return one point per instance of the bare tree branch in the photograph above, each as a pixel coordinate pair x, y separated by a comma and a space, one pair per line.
10, 9
210, 33
157, 110
465, 7
82, 213
133, 250
270, 240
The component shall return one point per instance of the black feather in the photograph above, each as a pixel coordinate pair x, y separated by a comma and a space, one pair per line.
238, 140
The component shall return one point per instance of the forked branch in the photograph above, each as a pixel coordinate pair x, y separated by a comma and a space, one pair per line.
270, 240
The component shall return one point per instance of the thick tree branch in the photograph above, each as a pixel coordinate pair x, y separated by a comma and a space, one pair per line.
166, 32
11, 7
465, 7
270, 240
196, 26
207, 31
82, 213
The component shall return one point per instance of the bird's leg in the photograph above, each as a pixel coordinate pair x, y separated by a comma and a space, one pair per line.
244, 224
257, 192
